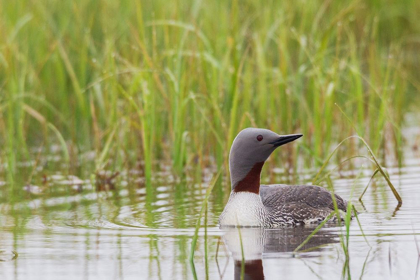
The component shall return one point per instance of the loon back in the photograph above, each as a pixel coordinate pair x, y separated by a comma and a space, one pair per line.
301, 204
308, 195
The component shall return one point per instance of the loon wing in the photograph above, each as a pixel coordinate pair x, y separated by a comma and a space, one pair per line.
304, 196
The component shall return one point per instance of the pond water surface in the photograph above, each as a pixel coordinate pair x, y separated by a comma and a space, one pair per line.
65, 229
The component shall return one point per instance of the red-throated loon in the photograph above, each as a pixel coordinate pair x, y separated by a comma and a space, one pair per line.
252, 204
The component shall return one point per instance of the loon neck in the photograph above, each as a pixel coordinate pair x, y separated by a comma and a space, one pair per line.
251, 182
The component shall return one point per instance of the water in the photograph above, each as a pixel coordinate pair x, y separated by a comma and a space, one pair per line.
64, 229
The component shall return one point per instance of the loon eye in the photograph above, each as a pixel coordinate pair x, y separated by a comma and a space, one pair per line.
260, 137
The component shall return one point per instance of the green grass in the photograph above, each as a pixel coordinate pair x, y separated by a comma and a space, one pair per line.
176, 81
351, 210
203, 211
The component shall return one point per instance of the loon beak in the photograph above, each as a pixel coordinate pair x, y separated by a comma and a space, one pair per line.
284, 139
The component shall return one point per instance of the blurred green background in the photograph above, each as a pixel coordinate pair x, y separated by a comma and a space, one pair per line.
175, 81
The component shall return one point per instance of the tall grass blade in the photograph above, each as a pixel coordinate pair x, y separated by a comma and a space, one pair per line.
314, 232
203, 207
101, 160
360, 225
371, 179
378, 166
242, 253
63, 144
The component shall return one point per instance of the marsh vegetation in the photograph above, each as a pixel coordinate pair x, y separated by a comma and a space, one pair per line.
116, 117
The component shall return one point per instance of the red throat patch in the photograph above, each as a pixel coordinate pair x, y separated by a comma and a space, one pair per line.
251, 182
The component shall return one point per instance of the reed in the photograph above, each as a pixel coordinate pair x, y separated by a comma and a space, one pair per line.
179, 81
203, 211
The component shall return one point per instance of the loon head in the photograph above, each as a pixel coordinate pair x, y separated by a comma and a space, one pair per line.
250, 149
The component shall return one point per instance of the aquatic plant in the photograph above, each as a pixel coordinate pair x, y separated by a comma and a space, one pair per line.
203, 211
176, 82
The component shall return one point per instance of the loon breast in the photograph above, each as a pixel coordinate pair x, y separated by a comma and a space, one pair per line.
243, 209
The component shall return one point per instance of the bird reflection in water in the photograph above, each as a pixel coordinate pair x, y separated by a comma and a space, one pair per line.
254, 244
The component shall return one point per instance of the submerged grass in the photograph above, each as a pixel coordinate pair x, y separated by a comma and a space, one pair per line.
175, 81
351, 210
198, 225
375, 161
180, 80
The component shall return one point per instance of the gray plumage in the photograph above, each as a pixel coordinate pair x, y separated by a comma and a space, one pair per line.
299, 204
252, 204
